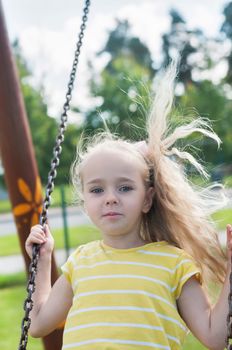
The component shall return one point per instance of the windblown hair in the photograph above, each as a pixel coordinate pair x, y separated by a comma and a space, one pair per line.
180, 213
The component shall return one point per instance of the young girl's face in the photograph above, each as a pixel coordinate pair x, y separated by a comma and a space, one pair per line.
115, 195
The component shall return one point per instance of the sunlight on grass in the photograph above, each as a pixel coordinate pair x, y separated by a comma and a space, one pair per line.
11, 301
192, 343
222, 218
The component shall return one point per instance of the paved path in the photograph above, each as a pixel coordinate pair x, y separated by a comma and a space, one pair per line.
75, 217
15, 263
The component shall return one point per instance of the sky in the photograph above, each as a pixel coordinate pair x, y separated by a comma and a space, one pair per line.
47, 31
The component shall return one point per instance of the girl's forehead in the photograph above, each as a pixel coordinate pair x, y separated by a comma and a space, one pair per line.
112, 162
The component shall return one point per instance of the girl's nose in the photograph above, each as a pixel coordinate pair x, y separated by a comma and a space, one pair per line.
111, 198
111, 201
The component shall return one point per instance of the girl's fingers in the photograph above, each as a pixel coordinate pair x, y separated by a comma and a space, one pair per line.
42, 236
34, 238
47, 231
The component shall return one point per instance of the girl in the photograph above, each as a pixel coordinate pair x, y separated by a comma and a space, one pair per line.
141, 286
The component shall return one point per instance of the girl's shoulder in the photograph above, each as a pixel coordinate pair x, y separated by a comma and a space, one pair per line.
85, 249
167, 253
81, 254
165, 247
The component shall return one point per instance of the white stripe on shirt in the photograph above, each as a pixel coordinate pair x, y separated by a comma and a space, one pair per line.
123, 276
124, 291
116, 341
110, 262
114, 324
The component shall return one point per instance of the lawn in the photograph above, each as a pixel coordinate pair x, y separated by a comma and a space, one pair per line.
77, 235
11, 315
11, 300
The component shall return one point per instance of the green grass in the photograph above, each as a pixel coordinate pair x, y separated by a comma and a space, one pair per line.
13, 280
191, 343
11, 301
77, 235
5, 206
223, 217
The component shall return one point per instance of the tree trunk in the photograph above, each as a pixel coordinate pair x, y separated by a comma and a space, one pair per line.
18, 159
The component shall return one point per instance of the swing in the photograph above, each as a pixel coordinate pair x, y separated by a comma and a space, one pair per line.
28, 303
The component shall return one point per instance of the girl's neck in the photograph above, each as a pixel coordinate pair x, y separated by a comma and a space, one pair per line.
119, 243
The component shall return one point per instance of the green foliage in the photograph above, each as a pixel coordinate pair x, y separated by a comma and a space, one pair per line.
123, 86
181, 40
121, 43
227, 30
71, 137
227, 24
43, 128
228, 181
218, 111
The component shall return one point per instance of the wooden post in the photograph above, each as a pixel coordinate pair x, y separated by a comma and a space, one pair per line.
18, 159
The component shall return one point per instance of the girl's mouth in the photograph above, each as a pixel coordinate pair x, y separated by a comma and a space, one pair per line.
112, 213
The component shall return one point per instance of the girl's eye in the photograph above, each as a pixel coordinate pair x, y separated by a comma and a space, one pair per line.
96, 190
125, 188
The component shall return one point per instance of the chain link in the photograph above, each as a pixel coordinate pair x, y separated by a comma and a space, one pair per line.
28, 303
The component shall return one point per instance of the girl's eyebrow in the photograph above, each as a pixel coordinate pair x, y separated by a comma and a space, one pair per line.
119, 179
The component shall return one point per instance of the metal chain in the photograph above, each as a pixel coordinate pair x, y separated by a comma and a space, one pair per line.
28, 303
229, 316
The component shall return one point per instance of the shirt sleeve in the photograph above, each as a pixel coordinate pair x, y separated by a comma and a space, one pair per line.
185, 269
68, 267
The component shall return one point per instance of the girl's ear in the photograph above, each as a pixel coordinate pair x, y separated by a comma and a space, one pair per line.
148, 199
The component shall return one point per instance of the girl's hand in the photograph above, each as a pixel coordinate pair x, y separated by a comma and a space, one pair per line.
42, 237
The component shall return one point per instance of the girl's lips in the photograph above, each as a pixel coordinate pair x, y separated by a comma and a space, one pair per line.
112, 213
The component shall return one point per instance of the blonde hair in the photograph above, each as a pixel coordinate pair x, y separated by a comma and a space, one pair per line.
180, 212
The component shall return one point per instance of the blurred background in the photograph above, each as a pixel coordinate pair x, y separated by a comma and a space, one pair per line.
127, 44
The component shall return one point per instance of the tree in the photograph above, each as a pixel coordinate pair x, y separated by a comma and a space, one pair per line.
126, 77
210, 102
226, 28
120, 42
184, 42
43, 127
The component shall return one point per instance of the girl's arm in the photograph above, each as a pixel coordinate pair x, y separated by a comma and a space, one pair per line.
50, 304
207, 323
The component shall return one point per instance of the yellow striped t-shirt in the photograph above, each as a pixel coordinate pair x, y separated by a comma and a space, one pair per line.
126, 298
